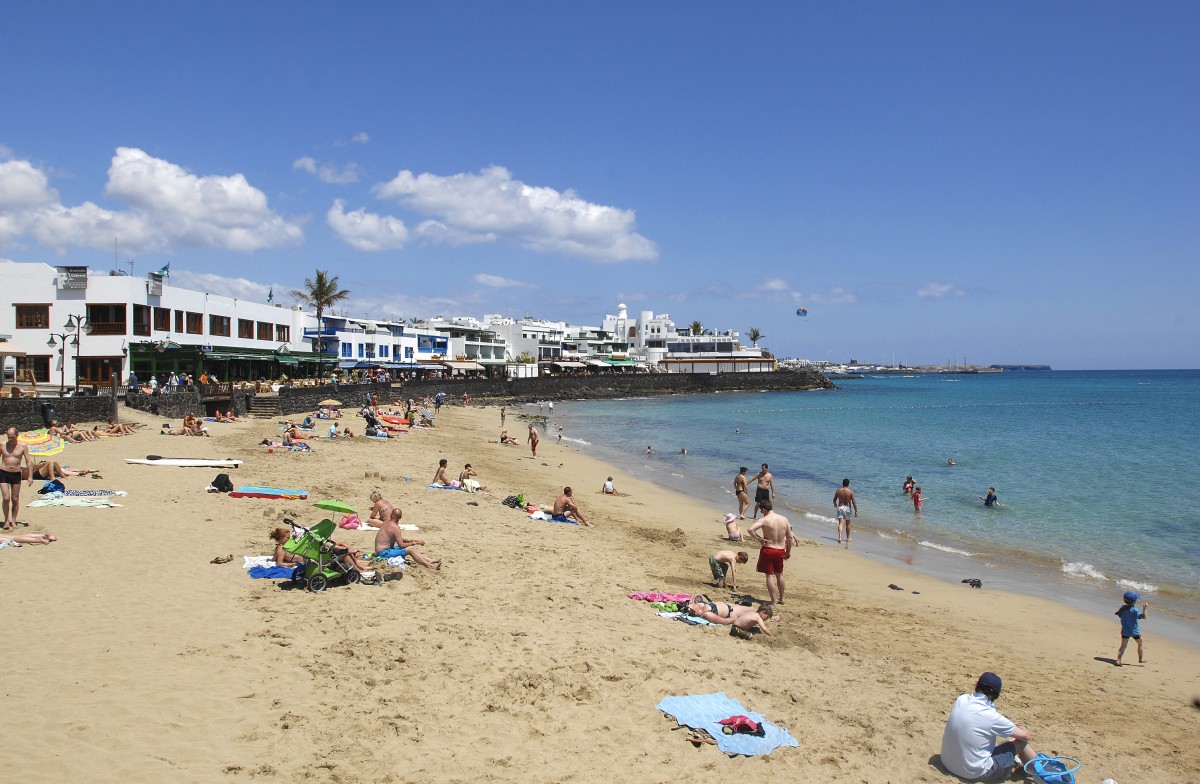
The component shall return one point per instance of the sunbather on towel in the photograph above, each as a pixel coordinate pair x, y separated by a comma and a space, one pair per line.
52, 469
282, 557
175, 431
390, 542
294, 433
28, 539
565, 506
469, 482
381, 508
440, 477
741, 616
506, 439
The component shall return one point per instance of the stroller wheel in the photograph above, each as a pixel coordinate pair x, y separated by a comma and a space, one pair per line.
352, 577
317, 583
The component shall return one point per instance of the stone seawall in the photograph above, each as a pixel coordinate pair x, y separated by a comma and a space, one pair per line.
176, 405
31, 413
298, 400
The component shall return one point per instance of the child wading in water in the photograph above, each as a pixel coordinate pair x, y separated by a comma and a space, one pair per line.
1130, 616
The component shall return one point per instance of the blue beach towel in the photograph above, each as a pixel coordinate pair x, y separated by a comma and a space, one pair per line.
693, 620
553, 518
271, 572
704, 711
443, 487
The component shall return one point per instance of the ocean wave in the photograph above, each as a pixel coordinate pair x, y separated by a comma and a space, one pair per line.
1082, 569
946, 549
882, 535
820, 518
577, 441
1135, 585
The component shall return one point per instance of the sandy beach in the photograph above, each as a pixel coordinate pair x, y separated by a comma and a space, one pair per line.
129, 656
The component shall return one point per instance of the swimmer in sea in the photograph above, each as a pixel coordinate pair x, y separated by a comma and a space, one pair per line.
950, 461
991, 499
909, 484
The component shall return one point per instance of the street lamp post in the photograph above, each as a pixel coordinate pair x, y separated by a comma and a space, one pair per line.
74, 326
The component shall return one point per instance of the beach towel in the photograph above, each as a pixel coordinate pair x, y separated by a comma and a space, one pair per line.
255, 491
552, 518
257, 560
443, 487
271, 572
682, 616
705, 711
657, 596
92, 493
58, 500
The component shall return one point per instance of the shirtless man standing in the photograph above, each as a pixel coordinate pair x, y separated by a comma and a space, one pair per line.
390, 542
843, 503
739, 488
12, 452
565, 506
776, 547
533, 439
765, 490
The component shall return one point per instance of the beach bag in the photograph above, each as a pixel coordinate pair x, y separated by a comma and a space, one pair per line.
222, 484
53, 486
511, 501
350, 521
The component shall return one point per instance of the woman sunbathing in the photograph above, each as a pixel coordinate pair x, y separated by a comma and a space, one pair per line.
28, 539
505, 438
294, 433
52, 469
281, 536
739, 616
117, 429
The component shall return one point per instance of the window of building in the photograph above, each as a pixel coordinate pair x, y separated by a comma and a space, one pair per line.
219, 326
265, 330
362, 351
108, 319
141, 320
408, 352
96, 370
383, 352
162, 320
179, 321
38, 366
33, 316
347, 350
195, 323
246, 329
283, 333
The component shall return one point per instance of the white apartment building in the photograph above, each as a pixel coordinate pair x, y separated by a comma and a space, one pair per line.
78, 325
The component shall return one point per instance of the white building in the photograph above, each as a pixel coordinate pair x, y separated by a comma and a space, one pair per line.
111, 323
667, 349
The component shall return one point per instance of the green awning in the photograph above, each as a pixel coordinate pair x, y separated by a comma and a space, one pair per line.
224, 355
287, 360
620, 361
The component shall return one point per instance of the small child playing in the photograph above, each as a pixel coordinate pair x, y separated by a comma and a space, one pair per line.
724, 566
608, 488
917, 500
752, 623
1130, 616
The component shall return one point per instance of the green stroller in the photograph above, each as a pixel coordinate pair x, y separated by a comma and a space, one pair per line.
322, 560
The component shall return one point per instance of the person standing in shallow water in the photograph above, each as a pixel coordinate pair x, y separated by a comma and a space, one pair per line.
843, 505
739, 488
765, 490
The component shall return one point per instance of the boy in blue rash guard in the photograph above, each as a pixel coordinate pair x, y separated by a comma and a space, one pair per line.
1131, 617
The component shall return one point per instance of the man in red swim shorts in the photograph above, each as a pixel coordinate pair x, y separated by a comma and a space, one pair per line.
776, 540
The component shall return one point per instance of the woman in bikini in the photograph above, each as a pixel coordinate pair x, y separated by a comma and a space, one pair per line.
717, 612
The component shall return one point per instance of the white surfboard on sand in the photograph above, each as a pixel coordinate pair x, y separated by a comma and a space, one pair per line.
185, 462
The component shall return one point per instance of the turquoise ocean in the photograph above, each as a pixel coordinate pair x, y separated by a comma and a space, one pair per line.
1098, 473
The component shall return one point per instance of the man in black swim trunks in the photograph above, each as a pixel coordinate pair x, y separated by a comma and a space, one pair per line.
12, 452
765, 489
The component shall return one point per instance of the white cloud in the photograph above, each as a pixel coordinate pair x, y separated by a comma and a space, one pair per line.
5, 152
502, 283
169, 207
365, 230
492, 205
328, 172
23, 186
940, 291
835, 296
776, 284
239, 288
362, 137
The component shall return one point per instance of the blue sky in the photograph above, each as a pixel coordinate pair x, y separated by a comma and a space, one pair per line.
1009, 182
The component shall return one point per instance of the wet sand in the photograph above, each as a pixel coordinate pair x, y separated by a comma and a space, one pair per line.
129, 656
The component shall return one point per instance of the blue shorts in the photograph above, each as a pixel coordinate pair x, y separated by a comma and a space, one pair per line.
1005, 757
391, 552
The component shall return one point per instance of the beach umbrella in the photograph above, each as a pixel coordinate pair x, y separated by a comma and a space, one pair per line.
330, 402
41, 443
335, 506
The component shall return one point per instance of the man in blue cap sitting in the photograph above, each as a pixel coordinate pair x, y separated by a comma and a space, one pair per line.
969, 748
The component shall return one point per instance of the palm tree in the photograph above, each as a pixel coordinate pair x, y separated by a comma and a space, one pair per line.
697, 328
322, 292
754, 334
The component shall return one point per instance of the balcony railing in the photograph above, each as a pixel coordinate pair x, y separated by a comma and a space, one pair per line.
108, 328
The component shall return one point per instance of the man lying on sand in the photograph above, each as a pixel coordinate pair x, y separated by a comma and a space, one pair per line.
390, 543
52, 469
27, 539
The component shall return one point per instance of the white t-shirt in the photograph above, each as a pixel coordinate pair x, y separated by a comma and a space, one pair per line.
970, 736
